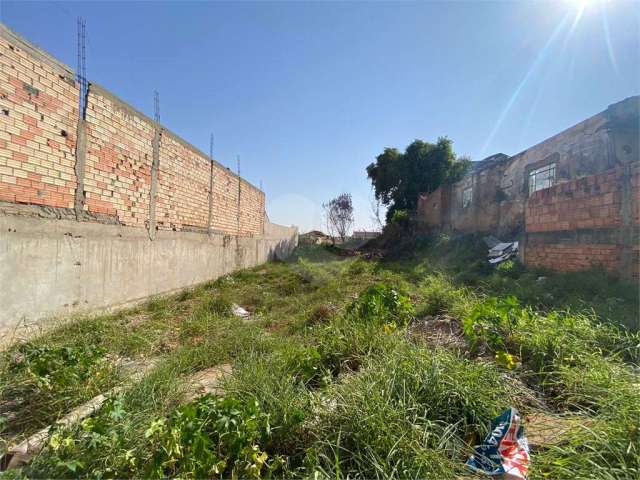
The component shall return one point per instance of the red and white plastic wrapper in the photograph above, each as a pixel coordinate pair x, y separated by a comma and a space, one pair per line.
505, 450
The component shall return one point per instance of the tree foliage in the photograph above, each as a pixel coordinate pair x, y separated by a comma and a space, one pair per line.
339, 215
398, 178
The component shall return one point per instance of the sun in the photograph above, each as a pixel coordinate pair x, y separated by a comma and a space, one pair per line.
582, 4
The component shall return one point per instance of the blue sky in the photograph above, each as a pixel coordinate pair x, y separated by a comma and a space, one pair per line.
309, 93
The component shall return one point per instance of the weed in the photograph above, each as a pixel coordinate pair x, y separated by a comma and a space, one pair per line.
41, 382
321, 313
438, 296
328, 383
211, 436
382, 303
405, 415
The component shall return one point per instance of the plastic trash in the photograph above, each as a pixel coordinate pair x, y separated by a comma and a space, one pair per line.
505, 450
238, 311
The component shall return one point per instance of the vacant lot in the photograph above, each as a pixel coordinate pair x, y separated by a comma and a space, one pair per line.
346, 366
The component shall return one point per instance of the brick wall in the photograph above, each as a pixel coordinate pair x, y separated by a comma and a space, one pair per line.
586, 222
117, 177
38, 130
574, 257
38, 118
589, 202
183, 186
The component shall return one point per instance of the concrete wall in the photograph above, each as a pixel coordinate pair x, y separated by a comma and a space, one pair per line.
51, 267
594, 196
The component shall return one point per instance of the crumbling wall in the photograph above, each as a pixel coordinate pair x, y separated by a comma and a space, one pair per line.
482, 214
595, 176
431, 208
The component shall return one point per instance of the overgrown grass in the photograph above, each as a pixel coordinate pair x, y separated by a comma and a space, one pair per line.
327, 381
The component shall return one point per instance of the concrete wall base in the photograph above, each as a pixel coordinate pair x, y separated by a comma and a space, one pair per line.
51, 268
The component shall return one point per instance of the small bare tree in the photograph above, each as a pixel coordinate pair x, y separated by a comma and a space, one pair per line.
339, 215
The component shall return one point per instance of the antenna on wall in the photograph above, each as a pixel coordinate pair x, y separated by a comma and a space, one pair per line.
210, 223
156, 106
82, 67
239, 192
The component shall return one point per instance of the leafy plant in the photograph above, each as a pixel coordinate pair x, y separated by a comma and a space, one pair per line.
382, 304
490, 321
305, 364
212, 436
55, 366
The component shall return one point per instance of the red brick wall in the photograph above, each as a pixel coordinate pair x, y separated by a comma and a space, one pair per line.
118, 163
38, 125
183, 187
589, 202
38, 118
573, 257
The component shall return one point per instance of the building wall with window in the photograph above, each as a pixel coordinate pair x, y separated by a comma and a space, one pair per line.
511, 197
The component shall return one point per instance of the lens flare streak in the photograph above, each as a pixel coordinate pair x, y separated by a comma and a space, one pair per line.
534, 66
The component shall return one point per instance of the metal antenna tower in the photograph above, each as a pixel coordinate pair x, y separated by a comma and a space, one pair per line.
82, 67
211, 148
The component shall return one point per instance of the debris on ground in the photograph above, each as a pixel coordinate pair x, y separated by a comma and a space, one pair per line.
373, 254
505, 451
207, 381
503, 251
238, 311
441, 330
490, 241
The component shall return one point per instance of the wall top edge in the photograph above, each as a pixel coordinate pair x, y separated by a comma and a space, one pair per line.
100, 90
39, 54
494, 161
35, 51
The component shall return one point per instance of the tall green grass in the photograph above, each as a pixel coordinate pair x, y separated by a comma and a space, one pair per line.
327, 381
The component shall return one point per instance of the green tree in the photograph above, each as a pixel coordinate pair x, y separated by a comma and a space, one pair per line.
398, 178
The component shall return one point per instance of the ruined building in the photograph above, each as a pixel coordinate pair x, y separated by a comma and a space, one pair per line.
572, 200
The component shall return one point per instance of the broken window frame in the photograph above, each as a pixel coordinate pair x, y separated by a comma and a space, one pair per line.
542, 178
467, 197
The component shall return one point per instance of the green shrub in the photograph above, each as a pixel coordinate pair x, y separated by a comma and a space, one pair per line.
491, 321
382, 304
439, 296
55, 367
305, 364
211, 436
400, 216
